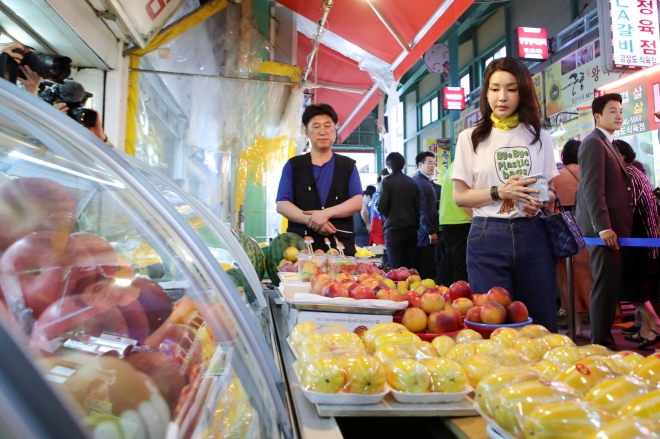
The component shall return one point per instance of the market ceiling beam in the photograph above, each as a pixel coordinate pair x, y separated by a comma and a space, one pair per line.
388, 24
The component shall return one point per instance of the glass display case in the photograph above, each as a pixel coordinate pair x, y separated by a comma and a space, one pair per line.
119, 316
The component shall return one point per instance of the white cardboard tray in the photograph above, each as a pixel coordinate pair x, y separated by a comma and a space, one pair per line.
342, 398
431, 397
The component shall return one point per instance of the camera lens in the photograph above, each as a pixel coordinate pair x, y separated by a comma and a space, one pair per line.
53, 67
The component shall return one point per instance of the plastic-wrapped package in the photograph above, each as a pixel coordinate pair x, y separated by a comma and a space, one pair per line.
513, 404
468, 336
323, 374
554, 340
364, 375
398, 339
442, 344
424, 349
594, 349
461, 352
546, 368
408, 375
505, 336
479, 366
490, 386
301, 331
629, 429
343, 371
532, 348
563, 356
375, 331
566, 420
645, 406
487, 347
649, 369
511, 357
626, 360
534, 331
585, 374
447, 376
614, 393
340, 264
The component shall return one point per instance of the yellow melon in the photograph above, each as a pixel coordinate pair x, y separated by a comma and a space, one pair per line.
566, 420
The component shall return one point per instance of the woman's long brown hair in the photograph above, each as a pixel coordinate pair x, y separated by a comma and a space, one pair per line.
528, 106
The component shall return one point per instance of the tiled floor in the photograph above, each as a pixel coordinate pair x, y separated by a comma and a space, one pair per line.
621, 343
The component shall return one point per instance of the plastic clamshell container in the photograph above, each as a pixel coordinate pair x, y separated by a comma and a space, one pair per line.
430, 397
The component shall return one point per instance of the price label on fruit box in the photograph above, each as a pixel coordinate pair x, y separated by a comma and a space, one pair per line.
352, 322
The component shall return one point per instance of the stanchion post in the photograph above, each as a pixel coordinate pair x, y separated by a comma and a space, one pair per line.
570, 298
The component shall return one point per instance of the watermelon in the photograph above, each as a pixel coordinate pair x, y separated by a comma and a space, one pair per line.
276, 252
253, 251
240, 281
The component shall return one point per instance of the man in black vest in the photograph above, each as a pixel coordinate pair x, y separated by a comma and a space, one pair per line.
321, 186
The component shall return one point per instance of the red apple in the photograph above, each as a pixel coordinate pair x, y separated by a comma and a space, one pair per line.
317, 288
361, 292
474, 314
479, 299
403, 273
30, 205
388, 294
392, 275
499, 295
334, 289
432, 301
414, 300
463, 305
413, 272
516, 312
441, 321
493, 313
414, 319
460, 289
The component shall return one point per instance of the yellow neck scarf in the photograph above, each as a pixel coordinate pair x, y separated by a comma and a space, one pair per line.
505, 124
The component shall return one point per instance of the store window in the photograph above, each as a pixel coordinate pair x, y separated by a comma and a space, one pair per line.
429, 112
499, 53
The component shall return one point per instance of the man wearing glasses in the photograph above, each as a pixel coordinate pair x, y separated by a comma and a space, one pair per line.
320, 191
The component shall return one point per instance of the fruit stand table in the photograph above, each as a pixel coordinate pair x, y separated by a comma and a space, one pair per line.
320, 421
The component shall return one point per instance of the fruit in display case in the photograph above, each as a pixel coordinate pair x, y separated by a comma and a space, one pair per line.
307, 352
514, 404
505, 336
490, 386
414, 319
364, 375
323, 375
163, 370
388, 353
649, 369
594, 349
467, 336
429, 283
414, 278
424, 349
402, 287
629, 429
402, 273
554, 340
276, 250
419, 289
341, 264
334, 289
511, 357
408, 375
447, 376
413, 272
458, 318
440, 322
487, 347
414, 300
583, 375
460, 353
607, 361
627, 361
347, 283
563, 356
474, 315
479, 299
344, 339
645, 406
613, 394
546, 368
390, 283
499, 295
309, 266
432, 301
388, 294
516, 312
460, 289
462, 305
379, 329
374, 284
406, 338
567, 420
532, 348
361, 292
478, 366
443, 344
534, 331
493, 313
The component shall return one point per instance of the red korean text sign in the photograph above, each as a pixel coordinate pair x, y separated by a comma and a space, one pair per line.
453, 98
532, 43
635, 33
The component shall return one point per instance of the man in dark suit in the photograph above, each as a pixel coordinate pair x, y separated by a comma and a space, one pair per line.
427, 234
605, 209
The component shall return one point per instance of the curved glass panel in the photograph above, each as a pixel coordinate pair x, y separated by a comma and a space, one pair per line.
122, 305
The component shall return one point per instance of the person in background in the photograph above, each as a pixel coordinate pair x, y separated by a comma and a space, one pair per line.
361, 219
376, 236
508, 245
455, 223
440, 246
639, 278
32, 79
566, 185
320, 191
604, 209
427, 234
399, 204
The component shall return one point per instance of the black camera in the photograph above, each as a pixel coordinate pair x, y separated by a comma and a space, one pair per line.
73, 94
53, 67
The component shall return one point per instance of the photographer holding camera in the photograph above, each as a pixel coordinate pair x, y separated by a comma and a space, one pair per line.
32, 79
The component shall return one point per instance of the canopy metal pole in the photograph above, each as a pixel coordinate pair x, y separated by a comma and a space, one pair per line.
388, 24
327, 4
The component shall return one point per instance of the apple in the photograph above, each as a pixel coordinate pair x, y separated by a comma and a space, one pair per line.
414, 319
414, 300
30, 205
479, 299
493, 313
413, 272
415, 284
420, 289
458, 317
100, 252
358, 292
441, 321
320, 277
516, 312
364, 277
282, 263
414, 278
393, 275
474, 315
432, 301
408, 375
402, 286
463, 305
403, 273
460, 289
428, 283
390, 283
334, 289
381, 275
499, 295
388, 294
381, 286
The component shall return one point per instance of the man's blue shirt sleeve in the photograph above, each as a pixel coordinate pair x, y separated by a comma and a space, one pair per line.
285, 190
354, 184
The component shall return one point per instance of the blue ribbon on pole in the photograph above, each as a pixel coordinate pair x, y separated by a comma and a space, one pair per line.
627, 242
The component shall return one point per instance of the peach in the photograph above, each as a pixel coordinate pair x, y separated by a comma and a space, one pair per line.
516, 312
499, 295
493, 313
414, 319
474, 314
414, 300
441, 321
432, 301
361, 292
479, 299
462, 304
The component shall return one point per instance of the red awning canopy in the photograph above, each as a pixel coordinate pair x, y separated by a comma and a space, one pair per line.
419, 24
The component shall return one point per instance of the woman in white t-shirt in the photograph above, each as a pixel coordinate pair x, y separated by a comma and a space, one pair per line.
507, 244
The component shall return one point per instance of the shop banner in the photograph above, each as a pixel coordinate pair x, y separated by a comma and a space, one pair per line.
641, 98
537, 80
635, 34
571, 81
145, 18
440, 148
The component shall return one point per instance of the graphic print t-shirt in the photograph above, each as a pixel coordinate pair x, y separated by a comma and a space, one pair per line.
502, 155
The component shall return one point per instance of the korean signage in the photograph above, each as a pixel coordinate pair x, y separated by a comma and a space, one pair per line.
453, 98
571, 81
537, 80
440, 148
144, 18
640, 99
532, 43
635, 35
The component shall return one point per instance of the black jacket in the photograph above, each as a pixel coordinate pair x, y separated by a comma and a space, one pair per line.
399, 202
429, 218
